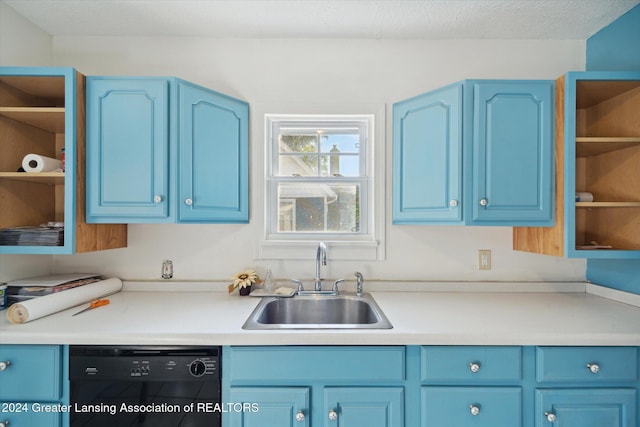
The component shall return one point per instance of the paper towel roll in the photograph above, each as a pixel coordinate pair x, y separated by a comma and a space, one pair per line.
43, 306
583, 196
34, 163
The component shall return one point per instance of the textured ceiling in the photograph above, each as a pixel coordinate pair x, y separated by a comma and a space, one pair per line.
392, 19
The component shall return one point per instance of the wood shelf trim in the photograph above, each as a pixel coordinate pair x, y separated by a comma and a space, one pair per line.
593, 145
48, 118
607, 204
50, 178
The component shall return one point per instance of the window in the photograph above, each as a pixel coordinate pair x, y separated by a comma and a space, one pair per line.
319, 179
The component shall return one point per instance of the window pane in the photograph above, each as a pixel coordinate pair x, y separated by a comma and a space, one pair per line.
314, 207
302, 165
302, 143
342, 143
344, 165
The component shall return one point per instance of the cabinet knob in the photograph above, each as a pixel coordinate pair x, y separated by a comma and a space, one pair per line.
475, 410
484, 202
157, 199
453, 203
594, 368
474, 367
4, 365
300, 416
4, 423
333, 415
188, 202
551, 417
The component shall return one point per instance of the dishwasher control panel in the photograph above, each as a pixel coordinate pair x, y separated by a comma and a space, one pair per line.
93, 362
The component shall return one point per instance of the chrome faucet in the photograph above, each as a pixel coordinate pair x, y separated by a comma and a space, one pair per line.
321, 258
359, 282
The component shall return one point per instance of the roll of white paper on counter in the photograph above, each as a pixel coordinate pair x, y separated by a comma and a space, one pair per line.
43, 306
35, 163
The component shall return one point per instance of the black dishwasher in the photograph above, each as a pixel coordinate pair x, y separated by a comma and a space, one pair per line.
144, 386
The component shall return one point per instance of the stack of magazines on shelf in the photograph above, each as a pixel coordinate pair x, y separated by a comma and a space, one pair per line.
26, 289
43, 235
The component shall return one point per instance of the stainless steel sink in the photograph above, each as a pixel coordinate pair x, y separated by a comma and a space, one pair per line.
342, 311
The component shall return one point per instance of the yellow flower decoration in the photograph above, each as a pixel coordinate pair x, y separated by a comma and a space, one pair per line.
243, 279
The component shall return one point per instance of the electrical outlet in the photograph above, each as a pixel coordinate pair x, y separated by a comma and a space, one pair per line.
484, 259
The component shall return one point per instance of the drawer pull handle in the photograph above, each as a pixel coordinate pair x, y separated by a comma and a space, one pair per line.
551, 417
4, 365
474, 367
188, 202
333, 415
453, 203
475, 410
300, 416
594, 368
157, 199
484, 202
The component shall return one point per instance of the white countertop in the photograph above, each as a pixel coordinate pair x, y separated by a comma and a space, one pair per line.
427, 318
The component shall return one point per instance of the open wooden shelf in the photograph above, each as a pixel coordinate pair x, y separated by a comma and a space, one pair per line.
607, 204
48, 118
33, 119
595, 145
50, 178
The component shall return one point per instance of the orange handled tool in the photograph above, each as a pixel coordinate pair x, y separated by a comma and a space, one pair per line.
94, 304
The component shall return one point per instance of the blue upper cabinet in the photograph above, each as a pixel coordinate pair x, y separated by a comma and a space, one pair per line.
427, 157
598, 169
128, 149
165, 150
213, 156
478, 153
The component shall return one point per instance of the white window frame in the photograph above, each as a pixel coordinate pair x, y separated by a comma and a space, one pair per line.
368, 244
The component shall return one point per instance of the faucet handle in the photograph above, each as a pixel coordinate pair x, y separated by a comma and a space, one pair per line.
299, 283
359, 283
335, 285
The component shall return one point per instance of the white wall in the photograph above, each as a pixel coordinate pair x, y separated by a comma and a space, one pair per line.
268, 72
22, 44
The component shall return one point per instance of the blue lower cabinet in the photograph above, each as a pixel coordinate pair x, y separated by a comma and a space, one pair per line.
432, 386
269, 406
471, 406
586, 407
364, 406
10, 417
31, 373
34, 388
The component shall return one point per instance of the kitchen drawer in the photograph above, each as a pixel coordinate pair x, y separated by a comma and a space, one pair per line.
275, 365
33, 372
471, 364
586, 364
471, 406
14, 414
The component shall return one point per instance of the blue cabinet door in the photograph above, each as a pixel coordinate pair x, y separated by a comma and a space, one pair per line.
213, 156
586, 408
427, 158
28, 416
31, 373
511, 175
363, 406
127, 149
268, 407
